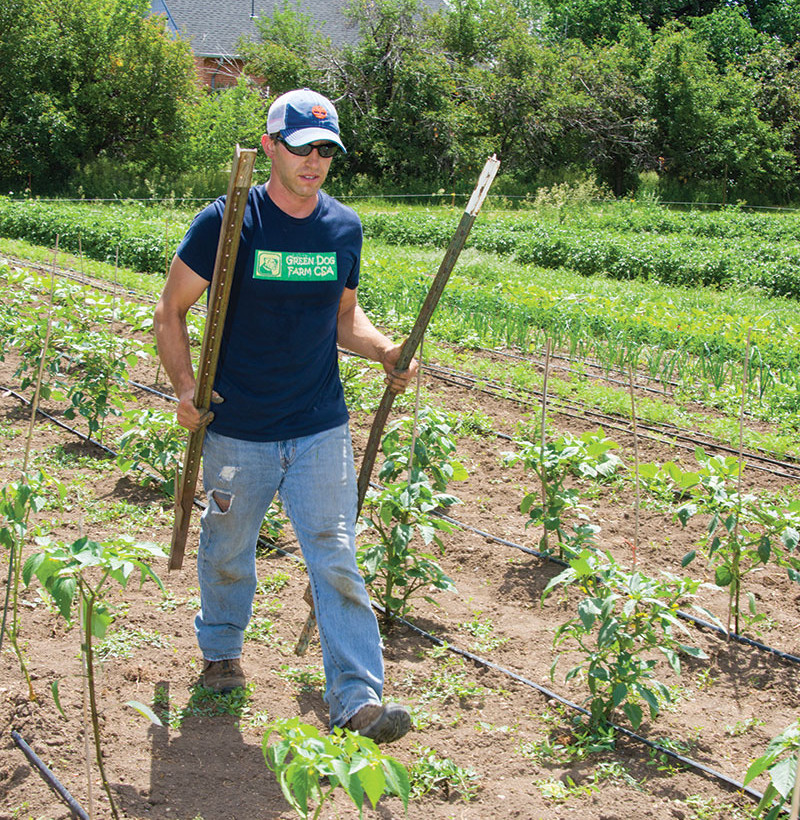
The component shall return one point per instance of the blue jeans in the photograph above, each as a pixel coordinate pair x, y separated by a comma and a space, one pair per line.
314, 477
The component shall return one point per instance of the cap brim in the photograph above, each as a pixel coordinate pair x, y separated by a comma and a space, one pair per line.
302, 136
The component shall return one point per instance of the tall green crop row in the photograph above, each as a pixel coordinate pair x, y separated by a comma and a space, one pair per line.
139, 237
620, 249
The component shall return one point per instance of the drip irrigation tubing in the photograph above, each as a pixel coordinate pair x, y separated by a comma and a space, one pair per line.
448, 375
49, 777
686, 761
699, 622
756, 460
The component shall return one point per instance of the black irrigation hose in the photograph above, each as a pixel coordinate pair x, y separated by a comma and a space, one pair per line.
464, 653
612, 422
49, 777
686, 761
699, 622
683, 615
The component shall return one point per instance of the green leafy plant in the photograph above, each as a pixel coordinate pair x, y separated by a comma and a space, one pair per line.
430, 772
393, 566
18, 501
624, 616
85, 568
743, 532
780, 762
310, 766
585, 456
152, 438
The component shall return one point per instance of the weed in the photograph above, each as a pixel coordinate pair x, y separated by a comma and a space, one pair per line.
483, 630
431, 772
274, 583
123, 642
309, 679
742, 727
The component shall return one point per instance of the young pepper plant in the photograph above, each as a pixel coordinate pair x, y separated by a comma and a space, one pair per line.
780, 761
394, 567
310, 766
86, 568
624, 616
743, 532
418, 466
18, 501
586, 456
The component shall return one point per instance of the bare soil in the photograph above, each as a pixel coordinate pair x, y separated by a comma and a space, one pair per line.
726, 708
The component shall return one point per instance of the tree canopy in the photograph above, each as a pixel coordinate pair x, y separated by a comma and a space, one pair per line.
702, 95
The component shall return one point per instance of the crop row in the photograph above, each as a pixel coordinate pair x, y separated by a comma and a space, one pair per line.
143, 238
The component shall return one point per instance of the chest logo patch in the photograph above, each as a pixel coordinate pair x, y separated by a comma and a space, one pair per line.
291, 266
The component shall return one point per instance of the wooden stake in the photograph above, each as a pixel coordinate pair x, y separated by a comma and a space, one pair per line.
410, 346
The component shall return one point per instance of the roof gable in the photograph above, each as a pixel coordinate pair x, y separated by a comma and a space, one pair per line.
214, 27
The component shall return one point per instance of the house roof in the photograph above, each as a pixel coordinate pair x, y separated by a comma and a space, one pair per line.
214, 27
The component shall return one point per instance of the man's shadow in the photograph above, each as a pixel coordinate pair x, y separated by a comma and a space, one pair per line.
204, 769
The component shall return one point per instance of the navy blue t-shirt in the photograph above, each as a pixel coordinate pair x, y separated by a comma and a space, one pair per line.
278, 368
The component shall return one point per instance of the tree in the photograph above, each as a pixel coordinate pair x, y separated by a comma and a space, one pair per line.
709, 127
291, 52
96, 79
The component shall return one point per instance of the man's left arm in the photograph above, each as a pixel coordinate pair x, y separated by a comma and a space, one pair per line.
357, 333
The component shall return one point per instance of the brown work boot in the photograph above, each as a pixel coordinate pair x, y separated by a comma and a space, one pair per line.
223, 676
383, 724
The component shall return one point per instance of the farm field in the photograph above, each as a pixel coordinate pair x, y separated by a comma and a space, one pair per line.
495, 735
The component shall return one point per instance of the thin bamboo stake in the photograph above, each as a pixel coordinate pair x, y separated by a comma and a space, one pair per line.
636, 505
733, 600
542, 434
416, 411
87, 747
42, 359
796, 792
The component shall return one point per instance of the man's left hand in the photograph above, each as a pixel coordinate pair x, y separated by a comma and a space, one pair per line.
398, 380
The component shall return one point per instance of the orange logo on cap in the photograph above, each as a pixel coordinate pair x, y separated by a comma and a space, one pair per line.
319, 112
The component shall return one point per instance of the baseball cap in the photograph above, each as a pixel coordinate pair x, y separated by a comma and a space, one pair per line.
303, 116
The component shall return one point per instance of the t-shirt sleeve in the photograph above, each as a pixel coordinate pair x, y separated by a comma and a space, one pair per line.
198, 248
355, 271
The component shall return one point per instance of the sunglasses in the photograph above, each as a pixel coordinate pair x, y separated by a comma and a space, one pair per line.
325, 150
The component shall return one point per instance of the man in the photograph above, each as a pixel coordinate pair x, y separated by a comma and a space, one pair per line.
280, 424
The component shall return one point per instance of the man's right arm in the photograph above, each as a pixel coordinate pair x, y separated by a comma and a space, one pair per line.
182, 289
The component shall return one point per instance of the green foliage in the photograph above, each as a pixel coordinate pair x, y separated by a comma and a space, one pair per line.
152, 438
434, 449
585, 456
393, 566
18, 501
224, 118
289, 52
743, 532
88, 82
85, 568
623, 618
310, 766
432, 773
780, 762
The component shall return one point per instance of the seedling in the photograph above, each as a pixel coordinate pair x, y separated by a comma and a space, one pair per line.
431, 773
310, 766
86, 567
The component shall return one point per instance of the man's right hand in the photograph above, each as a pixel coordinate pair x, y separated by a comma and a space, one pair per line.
191, 417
